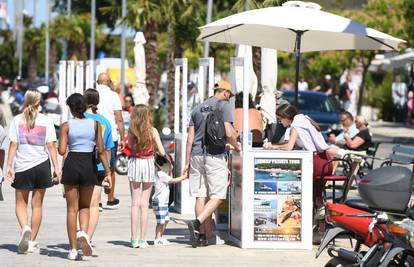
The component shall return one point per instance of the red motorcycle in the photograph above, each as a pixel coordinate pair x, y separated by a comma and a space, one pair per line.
374, 221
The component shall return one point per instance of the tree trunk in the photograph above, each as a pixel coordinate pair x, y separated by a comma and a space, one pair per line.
257, 67
31, 65
150, 33
364, 75
83, 51
53, 56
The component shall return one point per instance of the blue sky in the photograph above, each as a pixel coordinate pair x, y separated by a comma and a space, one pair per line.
28, 5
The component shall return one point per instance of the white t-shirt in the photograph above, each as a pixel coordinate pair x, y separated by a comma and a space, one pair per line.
303, 86
162, 189
31, 149
109, 102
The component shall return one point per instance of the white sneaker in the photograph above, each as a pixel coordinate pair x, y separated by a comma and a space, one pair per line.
24, 238
85, 245
143, 244
161, 242
33, 247
73, 255
217, 239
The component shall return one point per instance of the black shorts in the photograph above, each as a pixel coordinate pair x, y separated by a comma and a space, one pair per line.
37, 177
79, 169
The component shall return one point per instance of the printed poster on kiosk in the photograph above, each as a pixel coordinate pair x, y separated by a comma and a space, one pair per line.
277, 199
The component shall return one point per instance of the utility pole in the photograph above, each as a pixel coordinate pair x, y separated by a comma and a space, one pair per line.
34, 13
92, 48
124, 91
69, 7
208, 20
19, 26
47, 44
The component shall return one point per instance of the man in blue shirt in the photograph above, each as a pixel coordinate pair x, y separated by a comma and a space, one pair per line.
347, 123
92, 99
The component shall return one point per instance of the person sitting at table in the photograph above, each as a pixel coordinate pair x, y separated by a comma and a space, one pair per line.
306, 134
363, 140
255, 120
348, 126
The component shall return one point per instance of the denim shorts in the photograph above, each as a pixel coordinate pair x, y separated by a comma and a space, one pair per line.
114, 151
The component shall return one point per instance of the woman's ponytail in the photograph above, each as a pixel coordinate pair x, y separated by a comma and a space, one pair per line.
31, 103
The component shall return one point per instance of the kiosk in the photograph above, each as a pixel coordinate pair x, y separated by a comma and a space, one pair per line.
271, 191
270, 196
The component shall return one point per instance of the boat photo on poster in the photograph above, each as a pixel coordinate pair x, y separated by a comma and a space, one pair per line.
277, 199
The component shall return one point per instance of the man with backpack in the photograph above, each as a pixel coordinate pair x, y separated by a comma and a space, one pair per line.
210, 129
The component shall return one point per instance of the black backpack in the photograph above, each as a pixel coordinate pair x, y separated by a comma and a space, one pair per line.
215, 133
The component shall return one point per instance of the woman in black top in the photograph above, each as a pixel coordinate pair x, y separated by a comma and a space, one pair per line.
363, 140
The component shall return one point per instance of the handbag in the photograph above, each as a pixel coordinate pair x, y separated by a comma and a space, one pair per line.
96, 157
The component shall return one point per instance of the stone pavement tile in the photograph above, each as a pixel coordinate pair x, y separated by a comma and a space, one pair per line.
113, 245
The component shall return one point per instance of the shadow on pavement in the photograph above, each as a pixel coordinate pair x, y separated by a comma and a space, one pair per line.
57, 251
9, 247
120, 243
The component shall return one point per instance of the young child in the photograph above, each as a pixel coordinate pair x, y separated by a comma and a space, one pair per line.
162, 195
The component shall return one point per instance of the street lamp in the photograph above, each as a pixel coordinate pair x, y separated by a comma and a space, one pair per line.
92, 48
123, 48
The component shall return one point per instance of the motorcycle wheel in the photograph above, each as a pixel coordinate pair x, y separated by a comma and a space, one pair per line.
121, 164
337, 262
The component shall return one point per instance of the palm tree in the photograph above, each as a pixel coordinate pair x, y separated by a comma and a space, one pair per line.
76, 30
33, 40
144, 15
181, 22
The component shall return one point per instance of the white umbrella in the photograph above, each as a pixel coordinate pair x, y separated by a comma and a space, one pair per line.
140, 93
296, 29
269, 81
245, 52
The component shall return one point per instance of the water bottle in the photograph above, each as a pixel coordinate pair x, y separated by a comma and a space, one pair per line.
250, 139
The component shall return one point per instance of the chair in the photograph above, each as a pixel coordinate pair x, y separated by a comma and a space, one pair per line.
344, 177
369, 159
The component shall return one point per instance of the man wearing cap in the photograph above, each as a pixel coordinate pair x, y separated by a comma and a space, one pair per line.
208, 174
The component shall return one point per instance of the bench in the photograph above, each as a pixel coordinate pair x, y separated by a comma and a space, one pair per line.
402, 155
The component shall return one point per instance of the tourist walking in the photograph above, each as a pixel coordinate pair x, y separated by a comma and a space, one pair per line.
92, 100
348, 94
111, 108
208, 172
144, 140
399, 98
79, 138
32, 135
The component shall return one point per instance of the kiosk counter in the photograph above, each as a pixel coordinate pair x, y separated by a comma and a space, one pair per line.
271, 199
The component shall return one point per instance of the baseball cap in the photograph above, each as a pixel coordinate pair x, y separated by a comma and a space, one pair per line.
223, 85
190, 85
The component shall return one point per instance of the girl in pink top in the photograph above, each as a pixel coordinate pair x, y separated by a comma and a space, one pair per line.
143, 139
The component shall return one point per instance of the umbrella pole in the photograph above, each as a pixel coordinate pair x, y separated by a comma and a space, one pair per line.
297, 55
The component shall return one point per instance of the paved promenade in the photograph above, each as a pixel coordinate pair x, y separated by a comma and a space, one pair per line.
112, 241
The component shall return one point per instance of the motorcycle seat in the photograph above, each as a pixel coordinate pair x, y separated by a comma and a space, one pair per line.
358, 203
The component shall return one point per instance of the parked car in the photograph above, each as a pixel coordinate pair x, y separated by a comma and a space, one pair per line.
319, 106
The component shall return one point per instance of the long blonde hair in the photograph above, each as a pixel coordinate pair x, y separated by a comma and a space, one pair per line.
140, 125
31, 104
